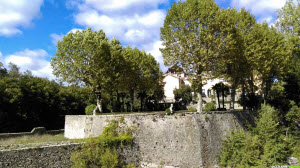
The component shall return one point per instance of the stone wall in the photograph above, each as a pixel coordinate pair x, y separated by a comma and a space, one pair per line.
182, 140
35, 131
57, 156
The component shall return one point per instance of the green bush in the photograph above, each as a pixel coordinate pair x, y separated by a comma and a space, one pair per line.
168, 110
109, 158
264, 146
192, 109
210, 106
206, 117
101, 151
89, 109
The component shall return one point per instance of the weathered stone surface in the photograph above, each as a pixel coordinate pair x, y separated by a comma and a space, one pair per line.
38, 130
54, 156
182, 140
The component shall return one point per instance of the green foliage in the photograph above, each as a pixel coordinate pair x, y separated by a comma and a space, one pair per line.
89, 109
27, 101
130, 166
221, 89
210, 106
102, 151
293, 114
168, 111
190, 38
264, 146
109, 158
183, 94
206, 117
192, 109
142, 77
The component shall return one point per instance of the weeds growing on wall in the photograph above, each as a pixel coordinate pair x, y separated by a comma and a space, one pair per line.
102, 150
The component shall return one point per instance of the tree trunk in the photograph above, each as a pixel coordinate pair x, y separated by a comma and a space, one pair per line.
123, 104
232, 98
243, 97
223, 97
111, 103
118, 102
218, 97
131, 100
268, 88
199, 95
142, 103
99, 103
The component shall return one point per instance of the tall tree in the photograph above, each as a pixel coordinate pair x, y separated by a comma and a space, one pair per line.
141, 75
269, 54
235, 26
115, 64
288, 23
130, 76
3, 71
84, 56
190, 38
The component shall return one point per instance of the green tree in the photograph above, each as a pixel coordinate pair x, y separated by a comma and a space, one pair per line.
84, 56
141, 75
288, 23
184, 93
116, 65
269, 54
222, 89
263, 146
190, 37
14, 70
3, 71
235, 27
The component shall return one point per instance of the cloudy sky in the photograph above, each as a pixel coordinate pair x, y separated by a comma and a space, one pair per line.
29, 30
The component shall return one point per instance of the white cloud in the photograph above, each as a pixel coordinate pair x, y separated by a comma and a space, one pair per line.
264, 10
267, 19
137, 29
134, 22
55, 37
120, 5
33, 60
258, 7
17, 13
153, 49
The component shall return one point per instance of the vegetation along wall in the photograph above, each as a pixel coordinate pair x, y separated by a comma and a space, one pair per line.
180, 140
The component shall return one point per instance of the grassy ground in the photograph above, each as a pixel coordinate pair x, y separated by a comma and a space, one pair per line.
33, 139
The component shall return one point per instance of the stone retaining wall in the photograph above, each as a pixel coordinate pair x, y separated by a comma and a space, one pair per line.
184, 140
57, 156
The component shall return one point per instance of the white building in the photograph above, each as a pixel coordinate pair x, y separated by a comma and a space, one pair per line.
175, 77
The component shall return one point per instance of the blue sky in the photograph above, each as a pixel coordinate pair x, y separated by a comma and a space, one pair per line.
29, 29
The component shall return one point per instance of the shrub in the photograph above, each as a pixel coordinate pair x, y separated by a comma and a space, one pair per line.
192, 109
206, 117
101, 151
168, 111
89, 109
109, 158
263, 147
210, 106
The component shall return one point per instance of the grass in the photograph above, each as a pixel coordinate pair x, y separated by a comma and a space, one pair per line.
33, 139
